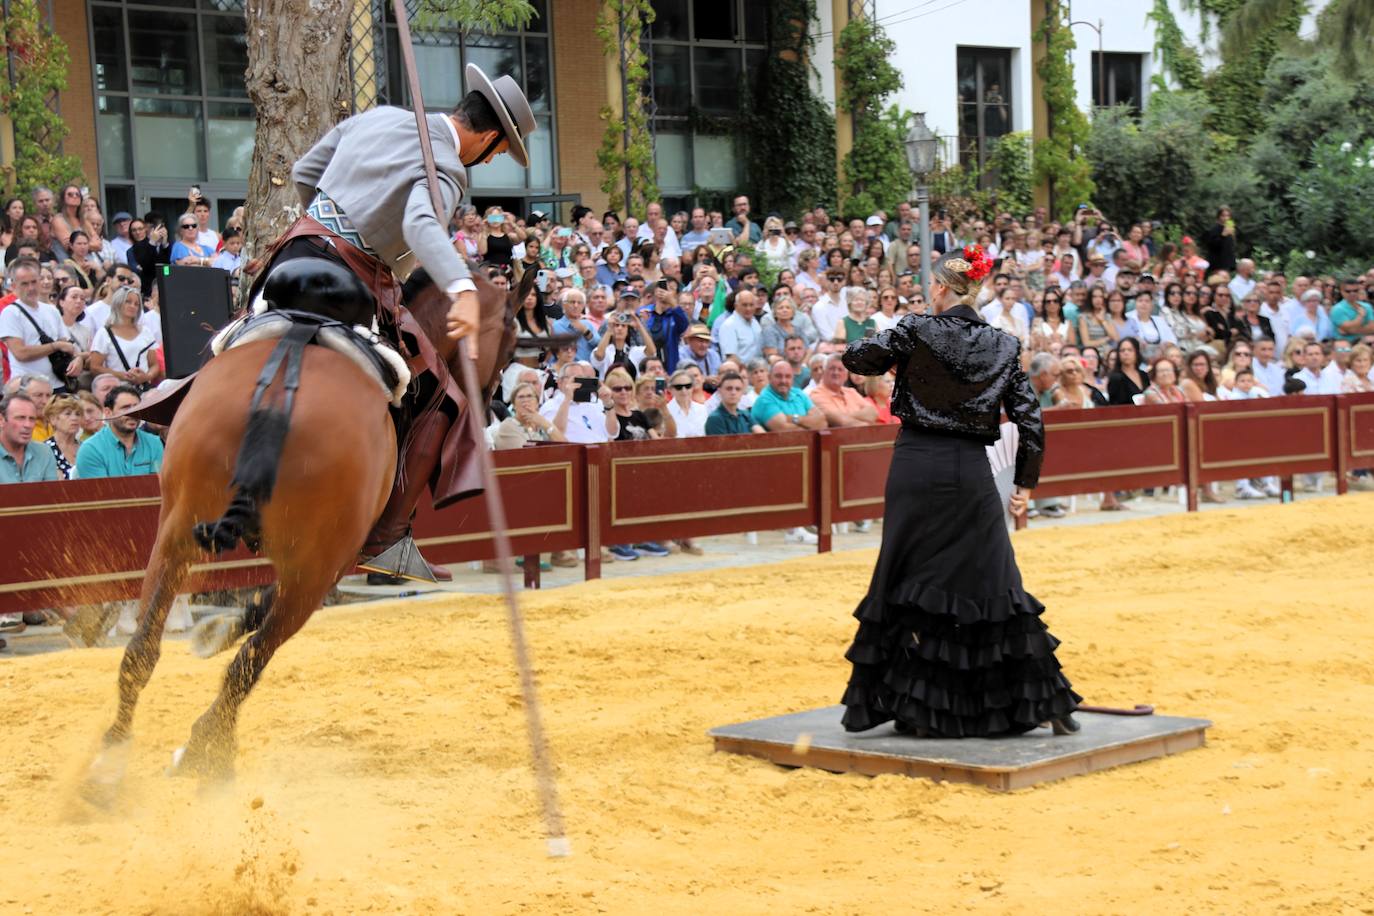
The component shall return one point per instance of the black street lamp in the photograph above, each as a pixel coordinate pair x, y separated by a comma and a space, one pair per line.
922, 150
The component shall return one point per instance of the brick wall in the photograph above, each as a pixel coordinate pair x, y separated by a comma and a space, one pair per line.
78, 103
581, 89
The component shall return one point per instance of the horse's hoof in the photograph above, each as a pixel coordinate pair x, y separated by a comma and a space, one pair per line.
106, 774
203, 765
215, 634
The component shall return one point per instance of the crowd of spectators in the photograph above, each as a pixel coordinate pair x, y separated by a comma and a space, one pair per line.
700, 322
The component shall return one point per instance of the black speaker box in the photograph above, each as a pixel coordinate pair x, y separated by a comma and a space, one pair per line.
195, 303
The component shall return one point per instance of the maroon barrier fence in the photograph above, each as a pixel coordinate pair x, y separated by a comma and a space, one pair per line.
85, 541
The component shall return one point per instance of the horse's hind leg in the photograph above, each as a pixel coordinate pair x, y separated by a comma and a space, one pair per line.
210, 750
167, 569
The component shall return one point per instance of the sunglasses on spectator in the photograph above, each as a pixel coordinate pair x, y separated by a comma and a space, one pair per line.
622, 388
126, 280
188, 225
687, 387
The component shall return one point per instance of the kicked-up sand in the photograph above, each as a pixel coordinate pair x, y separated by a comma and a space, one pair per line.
383, 764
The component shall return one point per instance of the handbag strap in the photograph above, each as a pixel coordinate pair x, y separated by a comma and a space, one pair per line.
43, 337
109, 332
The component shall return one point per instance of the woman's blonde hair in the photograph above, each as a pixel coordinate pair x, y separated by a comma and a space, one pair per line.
951, 272
1361, 349
60, 405
524, 386
619, 375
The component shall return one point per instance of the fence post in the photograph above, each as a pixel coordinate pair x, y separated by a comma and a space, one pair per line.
1192, 458
825, 451
1341, 417
592, 484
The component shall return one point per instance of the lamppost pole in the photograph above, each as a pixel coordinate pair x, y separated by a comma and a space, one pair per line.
1101, 60
922, 148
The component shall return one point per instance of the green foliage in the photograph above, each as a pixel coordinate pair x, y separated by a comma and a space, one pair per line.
1059, 159
472, 15
1177, 58
876, 175
1140, 164
789, 132
1010, 160
615, 155
1231, 87
40, 69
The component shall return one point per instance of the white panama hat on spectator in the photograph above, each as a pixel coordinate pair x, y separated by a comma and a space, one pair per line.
511, 106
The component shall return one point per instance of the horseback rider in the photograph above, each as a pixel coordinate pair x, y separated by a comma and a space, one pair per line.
368, 207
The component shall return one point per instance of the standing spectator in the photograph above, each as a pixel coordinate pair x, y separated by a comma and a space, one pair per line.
23, 460
775, 248
32, 330
688, 415
499, 237
206, 236
841, 404
664, 322
67, 219
782, 407
123, 240
730, 418
741, 335
1219, 242
744, 230
1004, 314
1352, 316
64, 418
188, 251
121, 449
147, 253
1244, 282
699, 232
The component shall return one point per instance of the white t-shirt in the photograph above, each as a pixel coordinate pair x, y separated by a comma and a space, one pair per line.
208, 238
136, 352
586, 422
151, 323
826, 315
603, 365
691, 422
14, 324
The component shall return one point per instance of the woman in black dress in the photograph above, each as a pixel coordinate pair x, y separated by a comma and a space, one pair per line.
949, 643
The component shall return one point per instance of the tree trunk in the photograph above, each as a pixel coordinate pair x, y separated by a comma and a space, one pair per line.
297, 79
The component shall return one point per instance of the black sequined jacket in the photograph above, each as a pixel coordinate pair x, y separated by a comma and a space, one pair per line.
955, 373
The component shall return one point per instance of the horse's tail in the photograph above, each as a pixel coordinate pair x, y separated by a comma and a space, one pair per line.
255, 470
255, 476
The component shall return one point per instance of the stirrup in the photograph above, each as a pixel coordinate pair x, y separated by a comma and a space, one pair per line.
400, 559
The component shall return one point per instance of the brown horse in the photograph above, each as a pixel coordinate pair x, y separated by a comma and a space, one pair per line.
303, 486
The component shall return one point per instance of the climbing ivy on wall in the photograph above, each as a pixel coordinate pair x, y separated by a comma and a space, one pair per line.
1059, 159
616, 157
876, 175
789, 132
1177, 58
40, 70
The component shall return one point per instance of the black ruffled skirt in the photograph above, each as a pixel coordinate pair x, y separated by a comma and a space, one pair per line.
949, 642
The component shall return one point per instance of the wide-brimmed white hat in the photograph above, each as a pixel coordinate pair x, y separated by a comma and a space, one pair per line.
512, 109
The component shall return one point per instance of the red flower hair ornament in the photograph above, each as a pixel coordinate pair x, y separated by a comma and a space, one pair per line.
979, 264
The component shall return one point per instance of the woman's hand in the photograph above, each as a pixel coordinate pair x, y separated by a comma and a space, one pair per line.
1020, 499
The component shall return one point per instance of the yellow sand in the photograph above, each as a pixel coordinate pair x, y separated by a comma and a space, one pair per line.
383, 761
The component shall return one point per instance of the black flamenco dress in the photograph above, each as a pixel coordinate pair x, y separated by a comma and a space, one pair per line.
949, 643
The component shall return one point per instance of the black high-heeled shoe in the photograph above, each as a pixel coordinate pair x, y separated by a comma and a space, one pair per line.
904, 729
1065, 725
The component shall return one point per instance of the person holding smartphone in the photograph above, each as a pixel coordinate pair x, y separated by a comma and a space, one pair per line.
1219, 242
499, 237
579, 418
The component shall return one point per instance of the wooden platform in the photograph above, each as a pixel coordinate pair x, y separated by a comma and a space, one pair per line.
816, 739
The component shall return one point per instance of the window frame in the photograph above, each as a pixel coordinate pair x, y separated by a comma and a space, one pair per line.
979, 150
1107, 59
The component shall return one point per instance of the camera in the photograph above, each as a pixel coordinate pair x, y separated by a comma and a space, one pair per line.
623, 318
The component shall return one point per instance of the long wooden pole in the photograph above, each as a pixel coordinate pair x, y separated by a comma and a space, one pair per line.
554, 832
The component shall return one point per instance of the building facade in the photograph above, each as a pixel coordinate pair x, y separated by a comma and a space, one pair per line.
156, 99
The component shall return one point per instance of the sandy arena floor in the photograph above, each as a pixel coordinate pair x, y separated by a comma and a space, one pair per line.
383, 762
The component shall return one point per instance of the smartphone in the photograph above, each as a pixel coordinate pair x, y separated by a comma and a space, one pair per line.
541, 281
195, 191
85, 192
660, 386
586, 390
720, 237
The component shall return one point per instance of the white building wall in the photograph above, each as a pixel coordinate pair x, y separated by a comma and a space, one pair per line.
823, 57
927, 39
1124, 31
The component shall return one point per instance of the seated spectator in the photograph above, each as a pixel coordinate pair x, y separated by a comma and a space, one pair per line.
92, 415
696, 350
782, 407
124, 347
64, 418
1359, 377
740, 332
1153, 332
526, 424
634, 425
1199, 381
1129, 379
23, 460
785, 322
654, 404
878, 389
689, 415
730, 418
574, 321
583, 421
1311, 372
1163, 388
1073, 391
841, 404
121, 449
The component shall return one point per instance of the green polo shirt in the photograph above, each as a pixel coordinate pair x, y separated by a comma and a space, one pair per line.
103, 455
723, 423
39, 464
768, 405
